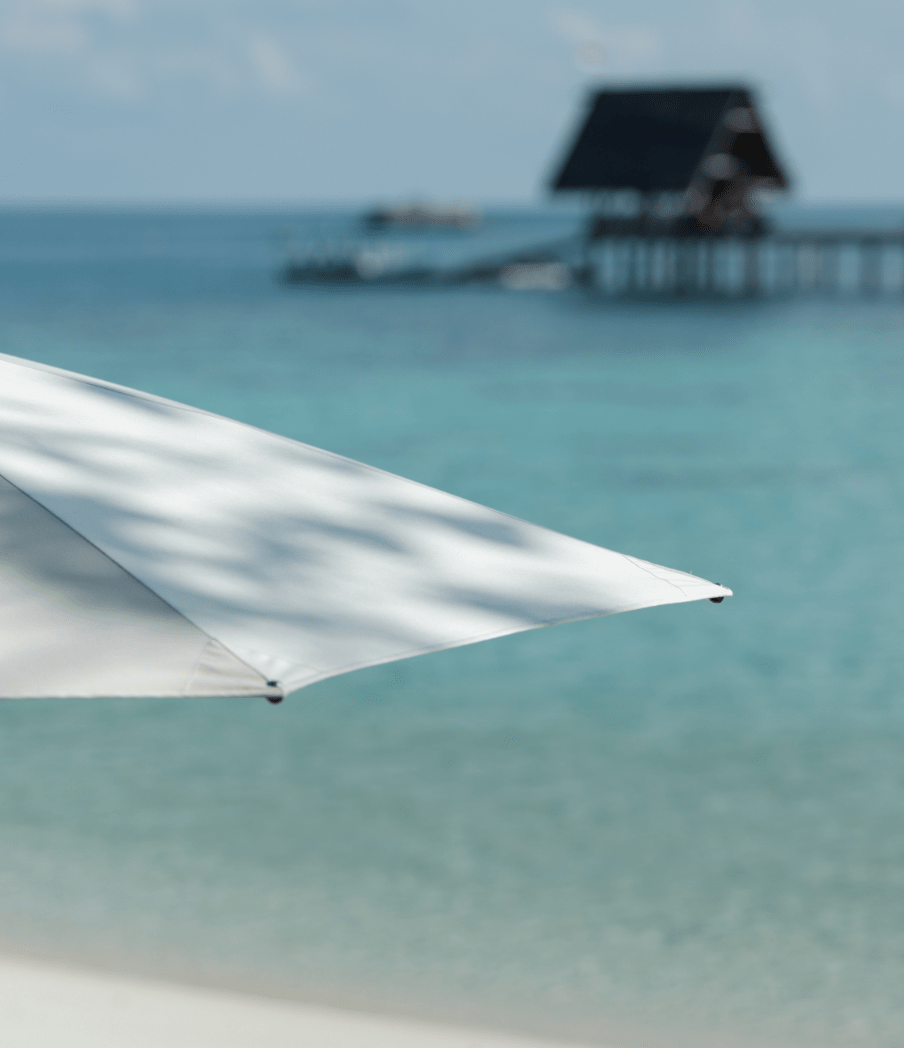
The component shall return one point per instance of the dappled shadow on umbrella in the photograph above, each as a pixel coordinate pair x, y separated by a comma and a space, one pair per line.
507, 605
484, 524
302, 563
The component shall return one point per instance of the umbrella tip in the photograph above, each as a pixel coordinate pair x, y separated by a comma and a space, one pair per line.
717, 600
274, 699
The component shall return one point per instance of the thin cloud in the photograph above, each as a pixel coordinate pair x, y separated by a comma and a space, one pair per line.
624, 48
116, 75
274, 68
57, 26
115, 49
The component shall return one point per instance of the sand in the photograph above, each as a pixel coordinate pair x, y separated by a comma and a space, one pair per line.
42, 1006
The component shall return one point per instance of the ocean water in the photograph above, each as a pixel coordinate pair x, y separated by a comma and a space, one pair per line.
681, 826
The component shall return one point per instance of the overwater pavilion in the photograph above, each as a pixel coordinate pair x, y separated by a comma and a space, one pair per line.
671, 177
672, 161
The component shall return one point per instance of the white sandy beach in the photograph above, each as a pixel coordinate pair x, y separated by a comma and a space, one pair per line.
42, 1006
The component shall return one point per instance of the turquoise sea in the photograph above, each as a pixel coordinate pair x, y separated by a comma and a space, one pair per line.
677, 827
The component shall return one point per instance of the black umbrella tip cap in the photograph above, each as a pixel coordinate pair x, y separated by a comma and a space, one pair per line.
716, 600
274, 699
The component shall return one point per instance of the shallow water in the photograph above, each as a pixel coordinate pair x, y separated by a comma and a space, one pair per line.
667, 826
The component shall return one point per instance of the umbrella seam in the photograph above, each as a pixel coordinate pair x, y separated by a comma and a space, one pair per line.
640, 564
135, 578
492, 635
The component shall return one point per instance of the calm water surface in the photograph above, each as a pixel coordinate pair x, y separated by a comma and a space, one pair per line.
682, 826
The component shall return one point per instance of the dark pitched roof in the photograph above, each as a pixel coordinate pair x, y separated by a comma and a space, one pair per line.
656, 139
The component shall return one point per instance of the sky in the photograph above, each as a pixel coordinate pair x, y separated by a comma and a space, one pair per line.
351, 101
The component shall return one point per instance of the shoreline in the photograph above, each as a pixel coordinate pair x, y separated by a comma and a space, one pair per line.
49, 1006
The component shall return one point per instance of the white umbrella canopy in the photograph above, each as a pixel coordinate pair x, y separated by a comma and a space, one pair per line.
148, 548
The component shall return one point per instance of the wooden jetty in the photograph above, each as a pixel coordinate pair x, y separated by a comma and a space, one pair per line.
671, 177
846, 262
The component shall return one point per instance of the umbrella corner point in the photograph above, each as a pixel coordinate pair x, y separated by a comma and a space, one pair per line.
718, 600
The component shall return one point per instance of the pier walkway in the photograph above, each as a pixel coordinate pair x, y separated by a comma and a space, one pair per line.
782, 262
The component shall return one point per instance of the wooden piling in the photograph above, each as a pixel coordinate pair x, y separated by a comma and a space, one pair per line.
818, 261
870, 268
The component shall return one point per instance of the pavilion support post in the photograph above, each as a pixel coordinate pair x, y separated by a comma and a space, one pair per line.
661, 269
588, 275
791, 268
670, 266
684, 270
751, 250
770, 267
830, 267
599, 266
612, 273
585, 270
631, 259
870, 267
803, 254
710, 277
647, 273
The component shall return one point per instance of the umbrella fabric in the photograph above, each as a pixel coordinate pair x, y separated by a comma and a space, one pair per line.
148, 548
